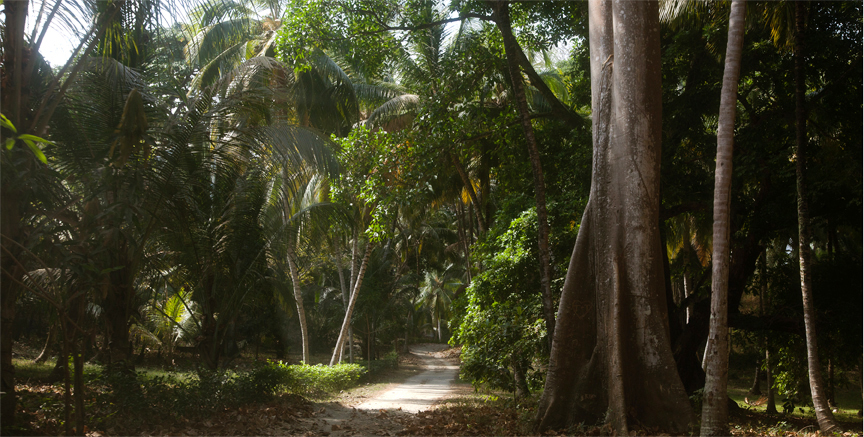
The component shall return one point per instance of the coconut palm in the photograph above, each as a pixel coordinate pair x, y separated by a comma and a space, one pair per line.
32, 94
436, 294
786, 23
306, 217
715, 407
169, 319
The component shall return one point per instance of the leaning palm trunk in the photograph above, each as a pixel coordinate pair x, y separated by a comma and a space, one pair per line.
344, 289
511, 48
823, 412
714, 405
298, 298
347, 322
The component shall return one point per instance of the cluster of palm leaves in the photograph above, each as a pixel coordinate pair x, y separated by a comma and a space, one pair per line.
189, 170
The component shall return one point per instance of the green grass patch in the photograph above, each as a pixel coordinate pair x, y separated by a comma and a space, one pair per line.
848, 402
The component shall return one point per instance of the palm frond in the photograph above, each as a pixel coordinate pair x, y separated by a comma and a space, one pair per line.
404, 105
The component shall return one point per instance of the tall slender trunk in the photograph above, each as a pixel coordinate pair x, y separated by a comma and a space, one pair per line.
347, 321
75, 313
755, 387
463, 238
407, 331
519, 379
343, 286
469, 187
67, 389
769, 382
298, 299
715, 403
824, 416
613, 300
352, 281
513, 51
44, 354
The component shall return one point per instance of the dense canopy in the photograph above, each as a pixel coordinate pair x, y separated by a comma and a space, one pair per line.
531, 181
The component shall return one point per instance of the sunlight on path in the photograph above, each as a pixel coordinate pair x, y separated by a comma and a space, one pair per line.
419, 392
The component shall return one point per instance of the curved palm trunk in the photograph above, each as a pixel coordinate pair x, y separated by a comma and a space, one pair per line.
346, 323
513, 51
611, 358
298, 299
827, 423
715, 407
469, 187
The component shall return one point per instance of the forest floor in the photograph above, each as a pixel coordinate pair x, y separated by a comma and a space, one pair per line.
421, 396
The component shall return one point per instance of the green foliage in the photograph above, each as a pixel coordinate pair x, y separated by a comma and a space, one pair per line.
318, 379
323, 24
175, 397
371, 176
31, 141
502, 309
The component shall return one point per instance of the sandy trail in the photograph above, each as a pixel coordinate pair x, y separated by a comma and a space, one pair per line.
380, 415
418, 393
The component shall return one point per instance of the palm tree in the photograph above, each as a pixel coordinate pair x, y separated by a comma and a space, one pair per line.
110, 98
785, 20
31, 95
436, 294
169, 318
715, 405
827, 423
225, 34
307, 216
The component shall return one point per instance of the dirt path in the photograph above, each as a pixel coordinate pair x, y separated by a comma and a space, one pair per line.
384, 413
419, 392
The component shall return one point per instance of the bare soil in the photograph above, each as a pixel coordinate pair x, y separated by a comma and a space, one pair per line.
428, 373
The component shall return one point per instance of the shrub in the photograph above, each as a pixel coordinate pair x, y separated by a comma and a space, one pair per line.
319, 379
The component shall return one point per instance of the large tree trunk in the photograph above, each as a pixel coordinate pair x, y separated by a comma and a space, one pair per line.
513, 52
715, 412
347, 321
298, 299
10, 203
823, 412
611, 351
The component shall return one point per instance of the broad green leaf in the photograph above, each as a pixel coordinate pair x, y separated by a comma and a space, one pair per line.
7, 124
26, 137
10, 143
36, 151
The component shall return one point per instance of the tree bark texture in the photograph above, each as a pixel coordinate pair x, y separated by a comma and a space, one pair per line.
715, 412
345, 323
824, 416
10, 205
298, 299
611, 350
513, 51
